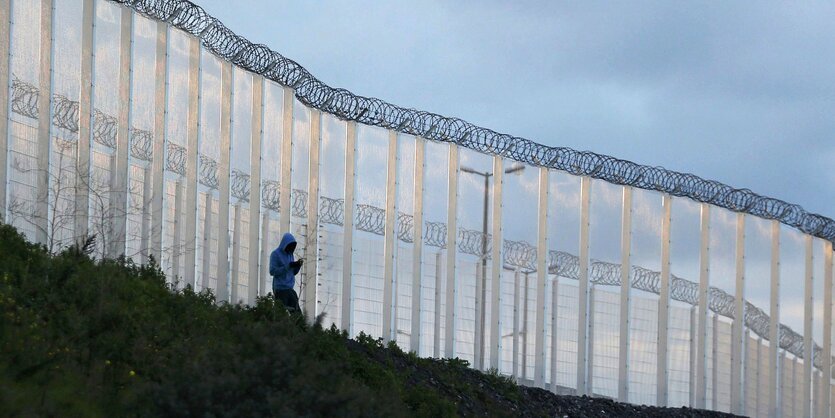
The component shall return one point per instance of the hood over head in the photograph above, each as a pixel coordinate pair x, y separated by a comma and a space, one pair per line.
286, 241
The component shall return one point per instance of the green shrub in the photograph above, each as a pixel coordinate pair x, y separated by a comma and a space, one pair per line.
84, 337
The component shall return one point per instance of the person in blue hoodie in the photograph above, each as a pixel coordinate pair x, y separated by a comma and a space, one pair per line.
284, 269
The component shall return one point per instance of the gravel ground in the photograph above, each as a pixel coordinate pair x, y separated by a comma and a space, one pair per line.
480, 394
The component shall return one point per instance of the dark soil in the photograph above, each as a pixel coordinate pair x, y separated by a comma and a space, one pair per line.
486, 394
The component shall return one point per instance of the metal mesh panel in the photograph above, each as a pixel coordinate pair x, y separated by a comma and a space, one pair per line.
752, 373
372, 145
404, 274
22, 175
473, 269
241, 166
273, 125
567, 328
642, 349
723, 367
330, 228
403, 295
765, 368
787, 388
679, 356
604, 245
563, 235
606, 341
211, 92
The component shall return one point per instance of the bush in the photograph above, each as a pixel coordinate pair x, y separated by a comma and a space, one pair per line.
81, 337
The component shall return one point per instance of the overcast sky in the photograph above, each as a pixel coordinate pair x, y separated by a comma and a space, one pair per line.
724, 90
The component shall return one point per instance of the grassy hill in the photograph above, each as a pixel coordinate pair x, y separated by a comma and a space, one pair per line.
89, 338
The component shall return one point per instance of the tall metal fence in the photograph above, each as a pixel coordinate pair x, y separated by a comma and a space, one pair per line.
155, 128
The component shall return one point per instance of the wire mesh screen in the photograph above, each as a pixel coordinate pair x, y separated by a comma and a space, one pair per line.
643, 346
332, 164
605, 340
723, 366
680, 335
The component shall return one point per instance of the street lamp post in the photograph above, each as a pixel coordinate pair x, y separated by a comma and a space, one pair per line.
482, 284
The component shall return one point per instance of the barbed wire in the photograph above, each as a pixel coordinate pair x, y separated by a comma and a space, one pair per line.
104, 129
269, 194
260, 59
331, 211
65, 113
176, 159
24, 98
141, 144
298, 203
239, 185
207, 171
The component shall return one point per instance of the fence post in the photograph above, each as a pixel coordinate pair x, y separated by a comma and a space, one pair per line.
285, 185
451, 249
145, 226
808, 318
118, 189
583, 289
794, 399
496, 266
41, 215
234, 276
389, 239
750, 376
693, 331
417, 257
257, 137
715, 362
436, 347
826, 356
265, 278
517, 282
773, 326
194, 108
160, 123
223, 182
704, 281
541, 277
757, 407
590, 379
662, 366
625, 294
478, 334
525, 323
5, 56
178, 237
781, 360
311, 285
737, 359
555, 297
207, 240
348, 227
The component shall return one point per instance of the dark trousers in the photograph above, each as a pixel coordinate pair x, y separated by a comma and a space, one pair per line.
289, 298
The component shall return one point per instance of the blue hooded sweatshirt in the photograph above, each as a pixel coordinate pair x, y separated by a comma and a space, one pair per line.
284, 276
